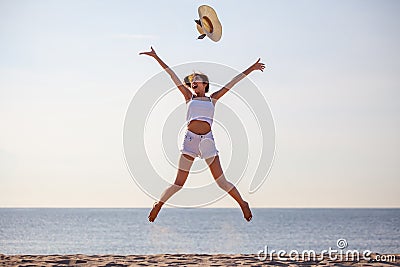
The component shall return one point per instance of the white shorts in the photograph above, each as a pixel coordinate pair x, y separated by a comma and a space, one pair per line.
202, 146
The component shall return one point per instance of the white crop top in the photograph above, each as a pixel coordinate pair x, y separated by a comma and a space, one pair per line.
200, 110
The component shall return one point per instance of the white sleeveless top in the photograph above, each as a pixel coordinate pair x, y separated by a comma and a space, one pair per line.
200, 110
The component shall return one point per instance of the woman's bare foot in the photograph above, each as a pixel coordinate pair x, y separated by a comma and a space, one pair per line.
154, 211
246, 211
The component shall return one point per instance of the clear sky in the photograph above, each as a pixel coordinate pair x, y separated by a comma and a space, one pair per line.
69, 69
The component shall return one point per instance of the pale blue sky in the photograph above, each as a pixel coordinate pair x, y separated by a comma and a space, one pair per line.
69, 70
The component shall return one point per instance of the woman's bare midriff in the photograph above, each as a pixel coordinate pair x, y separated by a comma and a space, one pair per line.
199, 127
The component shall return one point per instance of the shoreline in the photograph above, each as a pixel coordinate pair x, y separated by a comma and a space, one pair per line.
82, 260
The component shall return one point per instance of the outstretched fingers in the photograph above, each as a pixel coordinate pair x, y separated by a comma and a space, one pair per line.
262, 66
259, 65
149, 53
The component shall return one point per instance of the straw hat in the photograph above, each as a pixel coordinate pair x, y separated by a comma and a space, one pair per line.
209, 24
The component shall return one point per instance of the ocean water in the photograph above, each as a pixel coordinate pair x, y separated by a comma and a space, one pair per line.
127, 231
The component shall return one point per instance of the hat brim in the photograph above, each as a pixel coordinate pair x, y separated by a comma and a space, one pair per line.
209, 12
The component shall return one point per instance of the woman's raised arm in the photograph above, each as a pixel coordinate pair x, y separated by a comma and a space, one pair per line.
256, 66
184, 90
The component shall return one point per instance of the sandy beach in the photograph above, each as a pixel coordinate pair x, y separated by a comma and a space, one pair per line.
185, 260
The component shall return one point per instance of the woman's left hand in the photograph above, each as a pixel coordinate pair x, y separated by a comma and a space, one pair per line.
258, 65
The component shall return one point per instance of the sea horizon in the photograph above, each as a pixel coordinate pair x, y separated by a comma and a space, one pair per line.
126, 231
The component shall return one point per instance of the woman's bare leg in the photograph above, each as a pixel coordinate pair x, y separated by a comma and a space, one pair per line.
218, 174
185, 163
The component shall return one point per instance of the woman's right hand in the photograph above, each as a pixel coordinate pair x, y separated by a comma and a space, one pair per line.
151, 53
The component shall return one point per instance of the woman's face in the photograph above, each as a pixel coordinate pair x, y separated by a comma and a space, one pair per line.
198, 86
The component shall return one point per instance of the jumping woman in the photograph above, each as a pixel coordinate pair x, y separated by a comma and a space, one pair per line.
199, 140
